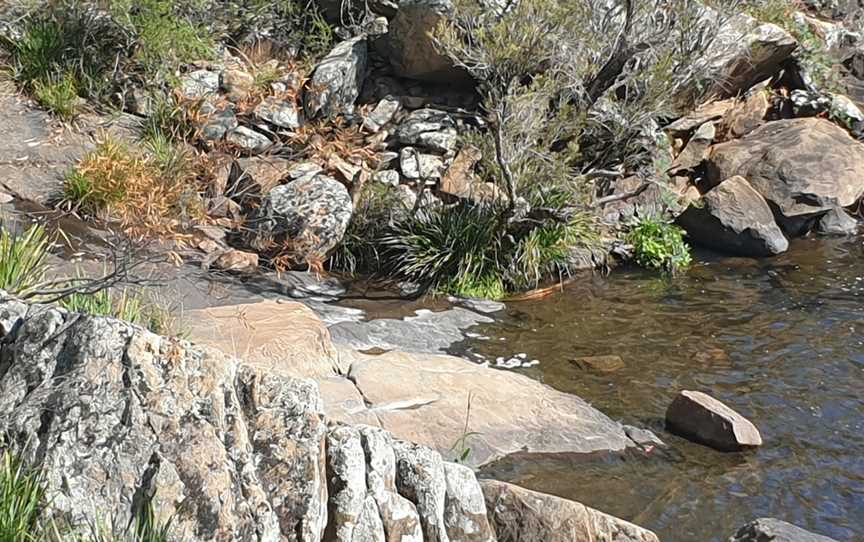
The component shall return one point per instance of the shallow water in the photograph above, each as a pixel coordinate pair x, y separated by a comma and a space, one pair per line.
780, 340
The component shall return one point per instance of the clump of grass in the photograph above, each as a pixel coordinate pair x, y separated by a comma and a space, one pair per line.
116, 183
22, 494
59, 97
659, 245
153, 312
23, 259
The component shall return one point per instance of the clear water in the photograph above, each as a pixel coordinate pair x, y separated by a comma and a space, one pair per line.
780, 340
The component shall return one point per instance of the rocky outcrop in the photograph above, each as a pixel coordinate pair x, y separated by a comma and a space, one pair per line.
802, 167
706, 420
308, 216
734, 218
337, 80
774, 530
520, 515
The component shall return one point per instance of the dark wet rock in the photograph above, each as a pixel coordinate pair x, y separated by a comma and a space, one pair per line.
382, 114
837, 222
734, 218
774, 530
136, 416
199, 84
311, 214
427, 331
279, 112
249, 140
602, 364
518, 514
704, 419
465, 517
802, 167
337, 80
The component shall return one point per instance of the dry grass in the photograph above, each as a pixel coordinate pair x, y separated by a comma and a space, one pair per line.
118, 184
326, 142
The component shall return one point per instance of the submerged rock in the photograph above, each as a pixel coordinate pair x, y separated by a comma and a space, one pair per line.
700, 417
602, 364
734, 218
774, 530
518, 514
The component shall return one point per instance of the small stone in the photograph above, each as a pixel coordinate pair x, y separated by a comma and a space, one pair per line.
386, 158
382, 114
443, 142
601, 364
219, 121
236, 84
198, 84
248, 139
423, 121
232, 260
415, 165
704, 419
281, 113
388, 176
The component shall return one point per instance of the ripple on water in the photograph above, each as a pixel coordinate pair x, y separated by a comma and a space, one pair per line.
780, 340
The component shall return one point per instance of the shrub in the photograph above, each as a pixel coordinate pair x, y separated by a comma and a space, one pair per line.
21, 498
116, 183
659, 245
23, 259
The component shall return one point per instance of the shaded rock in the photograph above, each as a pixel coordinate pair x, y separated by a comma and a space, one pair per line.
221, 449
802, 167
257, 333
218, 121
746, 116
248, 139
696, 149
415, 165
603, 364
423, 121
337, 80
774, 530
734, 218
236, 84
464, 506
199, 84
420, 478
382, 114
279, 112
398, 515
700, 417
837, 222
518, 514
410, 46
309, 216
809, 103
743, 53
708, 112
424, 399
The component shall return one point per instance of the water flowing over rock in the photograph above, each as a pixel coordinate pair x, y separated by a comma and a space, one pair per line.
309, 215
774, 530
337, 80
802, 167
518, 515
734, 218
706, 420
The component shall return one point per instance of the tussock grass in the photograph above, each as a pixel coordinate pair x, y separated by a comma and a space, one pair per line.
59, 97
22, 494
23, 259
151, 312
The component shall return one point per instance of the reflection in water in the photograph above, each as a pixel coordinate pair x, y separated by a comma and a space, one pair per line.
779, 340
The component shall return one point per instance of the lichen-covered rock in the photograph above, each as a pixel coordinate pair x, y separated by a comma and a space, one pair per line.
734, 218
114, 416
420, 478
465, 508
281, 113
419, 166
346, 478
803, 167
518, 514
248, 139
337, 79
308, 216
198, 84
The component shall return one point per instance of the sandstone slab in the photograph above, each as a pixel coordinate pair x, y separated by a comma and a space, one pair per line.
704, 419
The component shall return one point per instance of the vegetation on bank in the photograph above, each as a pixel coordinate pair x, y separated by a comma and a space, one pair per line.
23, 499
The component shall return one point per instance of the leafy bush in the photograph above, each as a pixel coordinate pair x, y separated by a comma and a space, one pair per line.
23, 259
659, 245
21, 498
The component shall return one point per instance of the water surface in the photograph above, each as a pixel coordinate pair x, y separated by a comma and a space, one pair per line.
780, 340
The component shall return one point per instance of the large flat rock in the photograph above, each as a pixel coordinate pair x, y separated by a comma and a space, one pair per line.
434, 400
